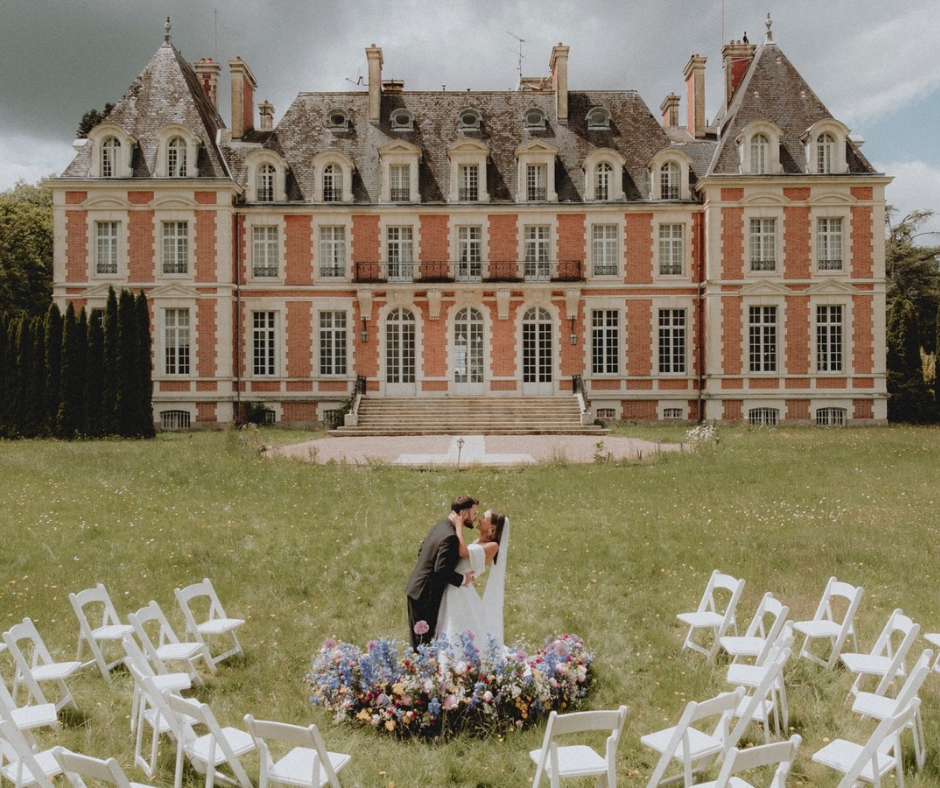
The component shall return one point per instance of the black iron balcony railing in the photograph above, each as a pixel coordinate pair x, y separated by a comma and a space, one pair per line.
400, 195
332, 195
458, 271
830, 265
763, 265
471, 194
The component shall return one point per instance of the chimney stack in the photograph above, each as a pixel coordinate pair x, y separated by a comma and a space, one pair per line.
209, 71
243, 98
559, 67
670, 110
266, 114
695, 89
736, 57
374, 56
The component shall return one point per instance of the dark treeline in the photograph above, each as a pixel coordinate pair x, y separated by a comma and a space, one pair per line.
78, 375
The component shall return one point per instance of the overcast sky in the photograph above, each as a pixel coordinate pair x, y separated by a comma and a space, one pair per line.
874, 63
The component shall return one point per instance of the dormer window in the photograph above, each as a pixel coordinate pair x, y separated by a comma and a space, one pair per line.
536, 172
110, 155
759, 149
266, 177
760, 152
402, 120
176, 158
603, 175
338, 119
669, 175
669, 181
467, 181
265, 183
332, 183
598, 119
470, 120
825, 145
535, 118
400, 161
113, 151
333, 175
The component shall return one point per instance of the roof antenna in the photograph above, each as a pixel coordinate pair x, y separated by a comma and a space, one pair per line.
770, 35
521, 42
166, 35
359, 81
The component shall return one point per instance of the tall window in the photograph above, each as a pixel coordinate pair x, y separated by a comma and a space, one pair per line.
468, 346
672, 339
536, 179
110, 151
763, 246
829, 243
332, 343
106, 254
762, 344
671, 249
263, 343
537, 252
669, 181
265, 184
605, 341
176, 158
332, 183
760, 154
604, 249
400, 254
469, 253
264, 251
176, 341
175, 247
469, 188
333, 251
829, 338
603, 175
825, 150
400, 182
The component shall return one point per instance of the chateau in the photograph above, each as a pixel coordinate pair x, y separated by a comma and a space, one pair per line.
544, 242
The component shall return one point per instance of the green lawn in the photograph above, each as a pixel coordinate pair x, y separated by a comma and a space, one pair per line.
608, 551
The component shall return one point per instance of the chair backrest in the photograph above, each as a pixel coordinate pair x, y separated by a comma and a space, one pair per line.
194, 593
136, 657
783, 641
772, 673
718, 581
144, 619
901, 628
23, 759
35, 653
75, 766
782, 753
94, 596
774, 616
915, 679
179, 725
7, 704
884, 735
297, 735
577, 722
835, 590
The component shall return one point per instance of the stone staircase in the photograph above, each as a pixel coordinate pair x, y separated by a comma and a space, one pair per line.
470, 416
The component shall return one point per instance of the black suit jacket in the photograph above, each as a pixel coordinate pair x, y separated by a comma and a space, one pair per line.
434, 571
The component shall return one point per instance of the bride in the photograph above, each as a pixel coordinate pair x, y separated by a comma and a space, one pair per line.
462, 609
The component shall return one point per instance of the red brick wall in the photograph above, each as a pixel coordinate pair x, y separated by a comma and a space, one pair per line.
299, 411
78, 262
863, 263
639, 339
75, 198
639, 248
570, 237
797, 409
205, 198
864, 409
796, 233
733, 410
299, 331
205, 412
140, 198
641, 410
298, 256
435, 247
732, 336
206, 344
205, 249
862, 341
798, 341
503, 359
732, 241
434, 343
366, 243
143, 253
366, 356
503, 238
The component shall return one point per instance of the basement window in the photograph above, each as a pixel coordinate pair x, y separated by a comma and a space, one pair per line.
174, 420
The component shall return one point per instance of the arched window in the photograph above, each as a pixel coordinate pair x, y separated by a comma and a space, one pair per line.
669, 181
468, 346
400, 347
825, 150
176, 158
760, 154
265, 184
603, 175
332, 183
537, 346
110, 150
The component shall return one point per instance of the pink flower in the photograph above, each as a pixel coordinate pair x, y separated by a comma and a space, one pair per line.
422, 628
450, 702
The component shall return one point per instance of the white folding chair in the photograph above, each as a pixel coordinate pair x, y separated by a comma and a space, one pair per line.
152, 711
879, 707
760, 705
35, 665
715, 613
307, 763
834, 621
19, 764
76, 766
741, 674
695, 749
751, 758
214, 624
97, 635
168, 647
579, 760
215, 747
885, 660
762, 631
871, 761
137, 658
26, 718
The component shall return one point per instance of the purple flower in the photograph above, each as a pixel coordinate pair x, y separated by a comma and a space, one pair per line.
422, 628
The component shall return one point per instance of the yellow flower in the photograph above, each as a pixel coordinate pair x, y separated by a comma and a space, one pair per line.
398, 688
364, 715
389, 725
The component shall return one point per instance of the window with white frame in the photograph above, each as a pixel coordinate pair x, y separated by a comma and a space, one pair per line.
332, 183
763, 417
399, 182
264, 343
333, 251
264, 251
110, 151
671, 250
536, 179
175, 247
537, 245
672, 341
605, 341
265, 183
469, 254
469, 188
825, 151
106, 247
332, 343
829, 338
174, 420
176, 341
176, 158
604, 249
760, 154
669, 181
762, 338
400, 254
603, 177
763, 244
672, 413
829, 243
830, 417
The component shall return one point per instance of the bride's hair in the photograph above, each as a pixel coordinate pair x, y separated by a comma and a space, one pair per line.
499, 520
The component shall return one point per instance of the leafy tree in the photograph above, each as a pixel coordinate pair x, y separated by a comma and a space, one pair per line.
913, 270
91, 119
25, 250
908, 397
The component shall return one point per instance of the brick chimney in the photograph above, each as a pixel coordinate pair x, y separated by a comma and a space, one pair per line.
559, 68
736, 57
695, 90
208, 71
266, 115
670, 109
374, 56
243, 98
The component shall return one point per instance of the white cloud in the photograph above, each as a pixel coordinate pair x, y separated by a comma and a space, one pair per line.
30, 160
916, 186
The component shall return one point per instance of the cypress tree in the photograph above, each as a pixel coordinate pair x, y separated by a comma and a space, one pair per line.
6, 372
109, 372
126, 366
92, 409
34, 382
53, 368
72, 389
908, 397
936, 370
145, 368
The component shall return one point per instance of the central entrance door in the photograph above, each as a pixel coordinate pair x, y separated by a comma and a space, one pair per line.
400, 354
468, 352
537, 331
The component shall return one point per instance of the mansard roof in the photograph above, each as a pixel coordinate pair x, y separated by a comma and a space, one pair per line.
773, 90
166, 92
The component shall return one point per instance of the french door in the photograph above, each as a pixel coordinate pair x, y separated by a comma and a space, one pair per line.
400, 353
468, 352
537, 332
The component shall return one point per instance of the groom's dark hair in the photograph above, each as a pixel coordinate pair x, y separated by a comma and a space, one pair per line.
462, 502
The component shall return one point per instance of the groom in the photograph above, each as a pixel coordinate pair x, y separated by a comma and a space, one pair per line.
434, 571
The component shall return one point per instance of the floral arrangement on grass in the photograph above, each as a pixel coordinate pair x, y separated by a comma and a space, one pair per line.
445, 688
